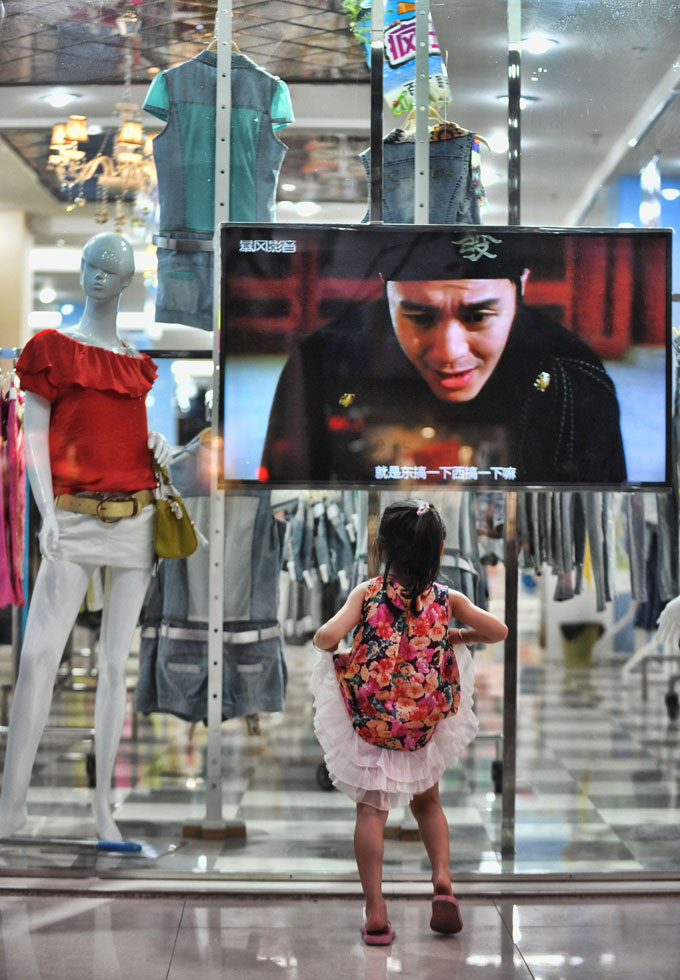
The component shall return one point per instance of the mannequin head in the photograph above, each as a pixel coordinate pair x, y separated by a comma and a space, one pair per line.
107, 266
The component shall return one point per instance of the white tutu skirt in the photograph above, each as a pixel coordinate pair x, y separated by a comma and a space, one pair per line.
386, 778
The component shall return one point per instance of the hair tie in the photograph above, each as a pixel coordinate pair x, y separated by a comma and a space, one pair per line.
423, 507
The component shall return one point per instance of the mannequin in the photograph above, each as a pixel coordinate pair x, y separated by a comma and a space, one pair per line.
668, 632
107, 268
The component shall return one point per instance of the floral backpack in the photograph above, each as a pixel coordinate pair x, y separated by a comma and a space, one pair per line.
401, 676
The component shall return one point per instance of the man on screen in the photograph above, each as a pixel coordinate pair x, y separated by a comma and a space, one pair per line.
449, 370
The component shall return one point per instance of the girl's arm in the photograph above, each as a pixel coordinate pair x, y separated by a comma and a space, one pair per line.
329, 635
482, 627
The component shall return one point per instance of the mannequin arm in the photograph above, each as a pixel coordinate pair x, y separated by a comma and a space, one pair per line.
160, 448
668, 633
37, 412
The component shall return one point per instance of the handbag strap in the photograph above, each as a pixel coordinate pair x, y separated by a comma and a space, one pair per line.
165, 489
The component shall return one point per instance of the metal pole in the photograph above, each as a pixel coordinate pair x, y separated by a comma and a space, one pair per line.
213, 792
377, 54
511, 561
514, 108
510, 679
421, 204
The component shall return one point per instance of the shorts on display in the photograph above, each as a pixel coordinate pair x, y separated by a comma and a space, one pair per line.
127, 543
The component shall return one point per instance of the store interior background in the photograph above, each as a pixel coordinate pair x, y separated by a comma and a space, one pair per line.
597, 767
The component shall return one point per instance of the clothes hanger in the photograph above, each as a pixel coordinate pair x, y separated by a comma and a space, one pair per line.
213, 46
435, 117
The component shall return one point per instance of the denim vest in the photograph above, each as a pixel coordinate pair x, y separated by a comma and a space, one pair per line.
453, 197
184, 153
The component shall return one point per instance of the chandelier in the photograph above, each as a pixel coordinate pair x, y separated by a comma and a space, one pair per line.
122, 166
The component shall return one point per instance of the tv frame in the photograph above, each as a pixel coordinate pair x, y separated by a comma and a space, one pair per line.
231, 233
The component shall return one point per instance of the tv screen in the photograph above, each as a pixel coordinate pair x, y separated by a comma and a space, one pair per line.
405, 355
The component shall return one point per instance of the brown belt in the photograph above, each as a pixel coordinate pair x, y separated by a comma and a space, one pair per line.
108, 509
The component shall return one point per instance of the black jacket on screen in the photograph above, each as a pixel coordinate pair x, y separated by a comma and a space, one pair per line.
348, 401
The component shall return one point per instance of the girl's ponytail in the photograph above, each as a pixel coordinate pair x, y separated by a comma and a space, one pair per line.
411, 536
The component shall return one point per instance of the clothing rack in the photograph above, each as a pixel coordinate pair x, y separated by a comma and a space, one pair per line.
16, 628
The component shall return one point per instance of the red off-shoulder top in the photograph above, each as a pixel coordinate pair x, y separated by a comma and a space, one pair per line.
98, 427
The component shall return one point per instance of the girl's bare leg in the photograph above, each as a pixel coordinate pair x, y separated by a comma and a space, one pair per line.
368, 850
427, 809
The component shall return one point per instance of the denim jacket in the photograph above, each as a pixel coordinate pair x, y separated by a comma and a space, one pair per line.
173, 673
185, 157
454, 187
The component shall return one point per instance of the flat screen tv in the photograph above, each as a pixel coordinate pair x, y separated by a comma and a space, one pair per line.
405, 355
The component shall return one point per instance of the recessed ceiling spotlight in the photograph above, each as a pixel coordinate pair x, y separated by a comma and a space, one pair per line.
498, 143
59, 99
47, 295
670, 193
538, 44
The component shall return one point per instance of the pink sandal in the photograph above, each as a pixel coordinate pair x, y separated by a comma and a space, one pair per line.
446, 915
381, 938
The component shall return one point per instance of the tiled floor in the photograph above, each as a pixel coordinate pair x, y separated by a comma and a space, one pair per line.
598, 775
597, 791
317, 938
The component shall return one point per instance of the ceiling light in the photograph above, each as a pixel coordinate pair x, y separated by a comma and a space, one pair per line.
498, 143
131, 133
307, 208
58, 138
523, 102
288, 187
538, 44
650, 212
60, 99
67, 309
489, 175
47, 295
670, 193
121, 167
76, 129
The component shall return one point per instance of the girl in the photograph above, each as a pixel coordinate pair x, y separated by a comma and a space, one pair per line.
397, 709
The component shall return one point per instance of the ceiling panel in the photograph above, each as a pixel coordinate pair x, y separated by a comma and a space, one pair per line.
56, 43
583, 95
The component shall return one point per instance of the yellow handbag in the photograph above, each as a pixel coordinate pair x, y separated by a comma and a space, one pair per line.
175, 535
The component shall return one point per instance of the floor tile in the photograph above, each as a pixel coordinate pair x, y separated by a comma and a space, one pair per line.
86, 939
614, 950
309, 940
626, 914
597, 784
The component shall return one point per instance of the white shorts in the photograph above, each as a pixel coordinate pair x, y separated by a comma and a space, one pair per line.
128, 543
